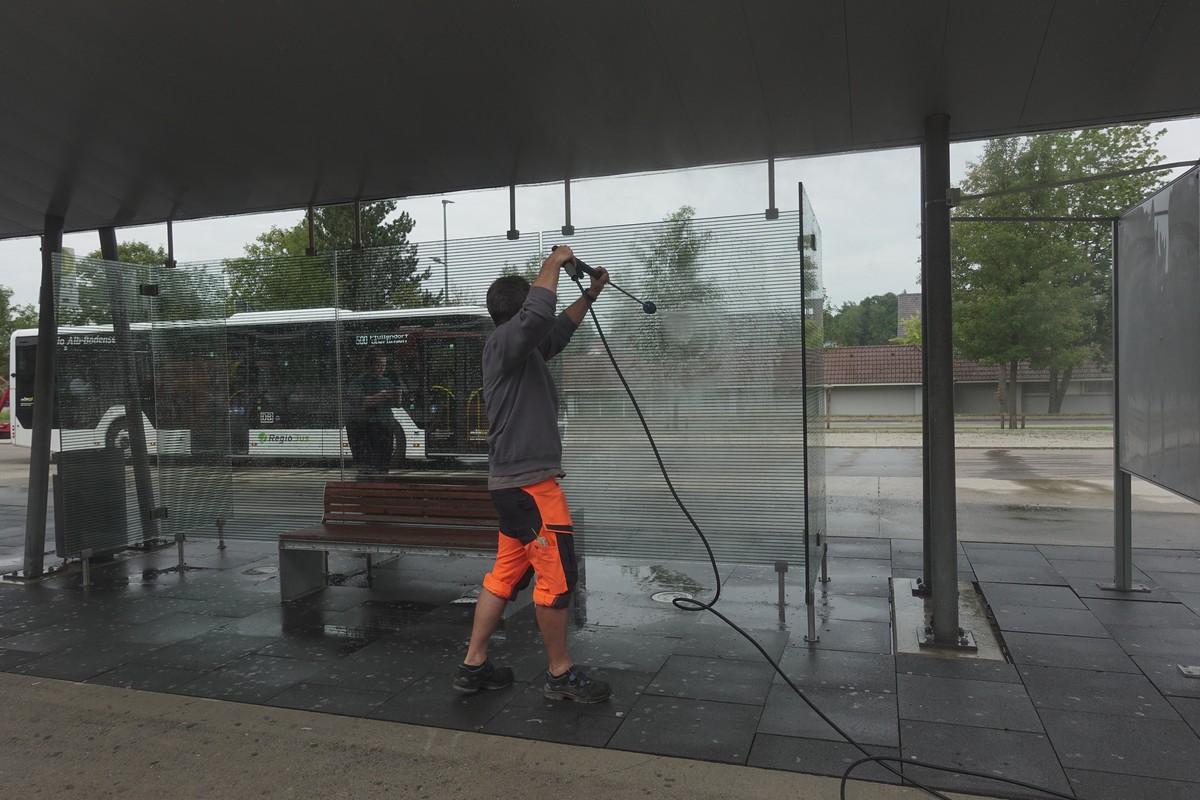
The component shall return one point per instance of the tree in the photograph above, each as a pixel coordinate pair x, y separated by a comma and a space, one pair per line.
189, 292
1004, 271
528, 269
870, 321
277, 274
13, 317
911, 332
674, 280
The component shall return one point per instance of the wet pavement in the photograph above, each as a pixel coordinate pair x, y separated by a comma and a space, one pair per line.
1092, 700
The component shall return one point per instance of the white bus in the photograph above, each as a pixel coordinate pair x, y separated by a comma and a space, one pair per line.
279, 390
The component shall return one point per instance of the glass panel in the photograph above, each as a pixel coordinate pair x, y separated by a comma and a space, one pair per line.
191, 368
717, 372
104, 489
286, 438
813, 384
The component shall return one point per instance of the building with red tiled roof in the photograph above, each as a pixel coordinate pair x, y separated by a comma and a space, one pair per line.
886, 380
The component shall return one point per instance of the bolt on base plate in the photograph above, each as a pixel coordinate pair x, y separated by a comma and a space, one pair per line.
966, 640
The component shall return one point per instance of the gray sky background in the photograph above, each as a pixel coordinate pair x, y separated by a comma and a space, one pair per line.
867, 204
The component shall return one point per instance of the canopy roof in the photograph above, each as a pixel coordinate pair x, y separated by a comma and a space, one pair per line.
139, 111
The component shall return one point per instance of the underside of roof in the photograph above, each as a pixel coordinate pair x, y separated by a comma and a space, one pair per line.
139, 111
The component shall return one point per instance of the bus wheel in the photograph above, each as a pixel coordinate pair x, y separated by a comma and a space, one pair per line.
118, 436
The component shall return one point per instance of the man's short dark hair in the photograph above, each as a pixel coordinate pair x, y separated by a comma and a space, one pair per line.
505, 297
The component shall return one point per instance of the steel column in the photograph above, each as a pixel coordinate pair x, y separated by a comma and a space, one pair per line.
926, 583
43, 404
939, 378
1122, 500
130, 388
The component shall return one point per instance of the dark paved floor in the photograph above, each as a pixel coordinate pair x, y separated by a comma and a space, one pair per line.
1092, 702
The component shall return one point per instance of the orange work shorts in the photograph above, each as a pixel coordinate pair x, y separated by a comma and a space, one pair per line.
536, 537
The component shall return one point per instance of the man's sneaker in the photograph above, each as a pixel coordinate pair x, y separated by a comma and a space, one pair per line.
470, 680
576, 685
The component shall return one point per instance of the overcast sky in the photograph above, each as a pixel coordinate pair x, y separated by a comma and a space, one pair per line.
867, 204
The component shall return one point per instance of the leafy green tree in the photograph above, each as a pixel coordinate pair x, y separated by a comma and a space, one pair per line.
870, 321
674, 280
277, 274
1042, 292
528, 269
911, 332
13, 316
190, 292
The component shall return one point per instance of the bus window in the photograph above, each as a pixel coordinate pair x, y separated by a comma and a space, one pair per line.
22, 404
441, 397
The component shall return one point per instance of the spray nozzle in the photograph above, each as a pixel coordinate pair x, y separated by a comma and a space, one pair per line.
577, 267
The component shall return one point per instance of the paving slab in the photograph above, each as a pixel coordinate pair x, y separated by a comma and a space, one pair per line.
1027, 757
1061, 621
995, 572
80, 662
987, 704
1181, 643
1153, 748
818, 757
1163, 672
1013, 594
1092, 587
252, 679
330, 699
933, 665
839, 669
711, 641
703, 729
1144, 615
431, 701
869, 717
1113, 786
146, 677
861, 637
1189, 709
1050, 650
1115, 693
713, 679
1176, 581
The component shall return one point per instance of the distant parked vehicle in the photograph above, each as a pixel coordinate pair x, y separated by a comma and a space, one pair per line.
5, 417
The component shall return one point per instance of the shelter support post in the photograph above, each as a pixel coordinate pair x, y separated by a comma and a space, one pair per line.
43, 404
567, 229
513, 234
1122, 485
938, 381
130, 384
926, 582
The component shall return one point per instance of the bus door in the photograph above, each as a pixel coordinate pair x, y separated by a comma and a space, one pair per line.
455, 424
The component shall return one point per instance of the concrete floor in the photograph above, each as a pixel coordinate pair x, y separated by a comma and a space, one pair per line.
80, 740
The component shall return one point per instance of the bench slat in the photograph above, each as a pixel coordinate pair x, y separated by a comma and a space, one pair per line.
409, 511
411, 521
397, 535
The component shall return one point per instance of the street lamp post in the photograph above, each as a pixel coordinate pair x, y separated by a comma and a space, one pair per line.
445, 256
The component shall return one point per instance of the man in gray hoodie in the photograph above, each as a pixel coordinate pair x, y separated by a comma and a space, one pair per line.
525, 463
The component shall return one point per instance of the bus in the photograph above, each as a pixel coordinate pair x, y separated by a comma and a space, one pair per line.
273, 374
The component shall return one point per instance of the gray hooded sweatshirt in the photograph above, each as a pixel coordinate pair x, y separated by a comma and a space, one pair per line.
524, 446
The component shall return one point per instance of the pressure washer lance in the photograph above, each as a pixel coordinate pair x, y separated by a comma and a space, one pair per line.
577, 266
689, 604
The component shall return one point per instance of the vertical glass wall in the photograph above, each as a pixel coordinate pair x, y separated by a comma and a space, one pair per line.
264, 377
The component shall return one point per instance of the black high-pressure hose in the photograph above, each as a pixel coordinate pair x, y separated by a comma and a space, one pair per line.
689, 604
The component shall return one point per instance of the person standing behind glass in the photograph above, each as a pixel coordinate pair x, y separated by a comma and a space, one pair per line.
370, 426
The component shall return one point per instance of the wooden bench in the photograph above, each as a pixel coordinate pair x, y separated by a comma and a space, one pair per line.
386, 518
